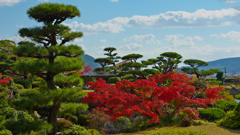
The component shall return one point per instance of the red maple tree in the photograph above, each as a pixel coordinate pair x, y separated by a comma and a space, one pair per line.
152, 97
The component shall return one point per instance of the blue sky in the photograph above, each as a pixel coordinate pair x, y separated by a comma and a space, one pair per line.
197, 29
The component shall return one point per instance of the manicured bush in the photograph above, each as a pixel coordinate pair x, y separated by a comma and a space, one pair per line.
87, 79
19, 86
97, 120
78, 130
63, 124
199, 122
114, 80
5, 132
211, 114
23, 123
82, 120
225, 105
231, 120
119, 126
186, 122
237, 96
25, 83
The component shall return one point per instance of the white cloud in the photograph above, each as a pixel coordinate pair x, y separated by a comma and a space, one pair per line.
230, 2
132, 47
114, 0
179, 40
205, 53
158, 42
100, 47
150, 38
83, 47
103, 40
78, 40
43, 0
9, 2
99, 27
173, 19
17, 39
19, 26
198, 38
232, 35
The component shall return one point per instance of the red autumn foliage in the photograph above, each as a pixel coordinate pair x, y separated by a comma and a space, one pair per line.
4, 80
151, 97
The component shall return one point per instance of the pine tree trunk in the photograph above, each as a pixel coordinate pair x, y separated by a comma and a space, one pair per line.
50, 84
52, 118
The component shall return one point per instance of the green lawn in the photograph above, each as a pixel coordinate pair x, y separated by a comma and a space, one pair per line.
211, 129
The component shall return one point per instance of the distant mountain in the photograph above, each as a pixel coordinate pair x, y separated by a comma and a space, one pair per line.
232, 65
90, 61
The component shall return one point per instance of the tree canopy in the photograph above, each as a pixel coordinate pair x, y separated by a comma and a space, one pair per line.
50, 57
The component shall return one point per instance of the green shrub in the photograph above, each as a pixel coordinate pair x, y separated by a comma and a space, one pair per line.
25, 83
199, 122
78, 130
5, 132
63, 124
82, 120
211, 114
225, 105
127, 76
237, 96
24, 123
114, 80
138, 126
19, 86
87, 79
186, 122
231, 120
119, 126
178, 132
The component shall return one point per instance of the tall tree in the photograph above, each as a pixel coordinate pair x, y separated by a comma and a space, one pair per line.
195, 64
167, 62
112, 56
103, 62
50, 57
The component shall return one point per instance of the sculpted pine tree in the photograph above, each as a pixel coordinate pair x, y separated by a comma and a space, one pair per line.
112, 56
167, 62
195, 64
49, 58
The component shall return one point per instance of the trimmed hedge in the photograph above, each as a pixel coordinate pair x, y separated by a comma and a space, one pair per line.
63, 124
25, 83
114, 80
211, 114
225, 105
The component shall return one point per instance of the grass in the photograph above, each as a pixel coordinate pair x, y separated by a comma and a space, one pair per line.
210, 129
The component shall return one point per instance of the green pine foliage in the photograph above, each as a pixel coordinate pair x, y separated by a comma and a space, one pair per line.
225, 105
211, 114
78, 130
231, 120
48, 59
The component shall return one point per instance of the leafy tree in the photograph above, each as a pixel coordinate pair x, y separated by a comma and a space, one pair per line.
220, 77
152, 97
49, 58
133, 57
6, 46
112, 56
167, 62
8, 62
195, 64
103, 62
